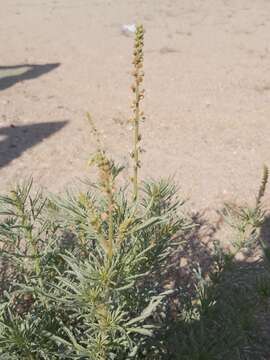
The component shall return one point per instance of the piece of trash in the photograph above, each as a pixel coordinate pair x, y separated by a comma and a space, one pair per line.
128, 29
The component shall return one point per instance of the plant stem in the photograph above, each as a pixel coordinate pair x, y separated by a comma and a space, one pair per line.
136, 143
110, 223
139, 94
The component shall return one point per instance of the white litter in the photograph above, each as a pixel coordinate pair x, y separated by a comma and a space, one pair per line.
128, 29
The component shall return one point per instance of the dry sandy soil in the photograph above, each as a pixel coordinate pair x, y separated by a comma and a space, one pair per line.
207, 67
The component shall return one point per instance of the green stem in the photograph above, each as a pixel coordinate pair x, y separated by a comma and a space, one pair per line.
30, 356
110, 221
109, 187
37, 268
136, 143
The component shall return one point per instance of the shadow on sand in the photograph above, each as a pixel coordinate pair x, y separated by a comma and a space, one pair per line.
10, 75
17, 139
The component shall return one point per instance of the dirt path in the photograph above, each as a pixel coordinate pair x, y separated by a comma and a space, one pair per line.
207, 67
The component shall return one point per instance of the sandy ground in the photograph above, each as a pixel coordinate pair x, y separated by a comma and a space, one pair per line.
207, 67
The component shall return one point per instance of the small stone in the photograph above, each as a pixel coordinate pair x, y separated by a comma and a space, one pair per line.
240, 257
183, 262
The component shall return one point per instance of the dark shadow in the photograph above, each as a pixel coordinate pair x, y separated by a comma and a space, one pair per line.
265, 231
228, 320
195, 252
32, 71
227, 305
17, 139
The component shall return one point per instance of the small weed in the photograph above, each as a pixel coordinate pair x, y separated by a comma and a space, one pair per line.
90, 275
